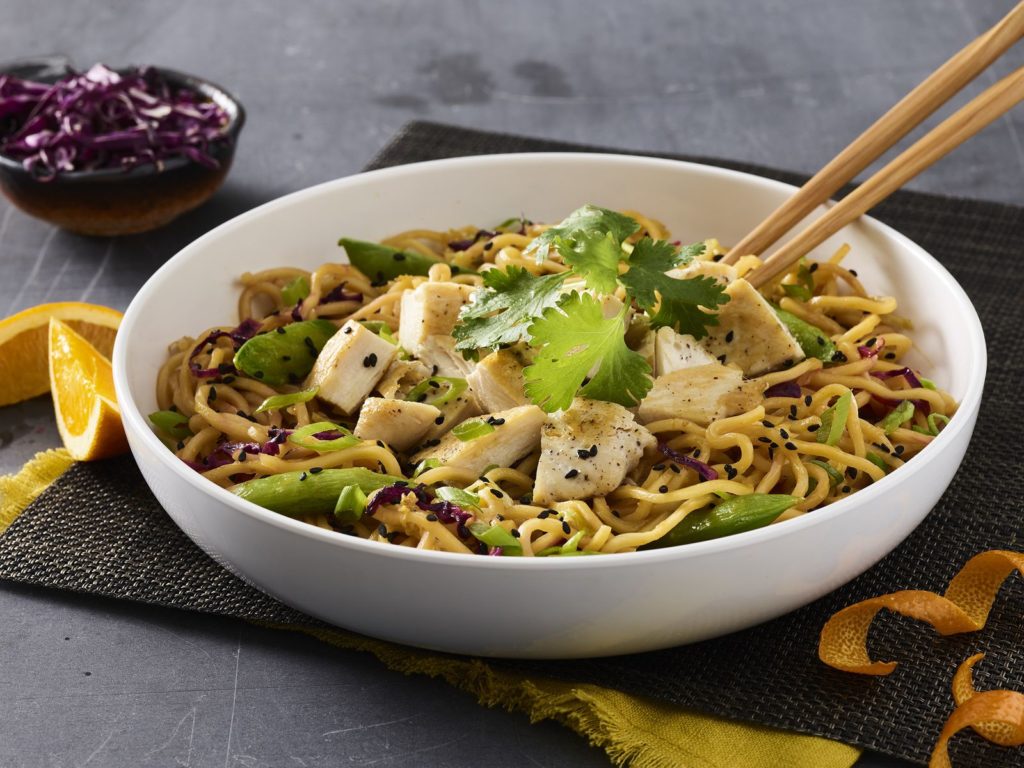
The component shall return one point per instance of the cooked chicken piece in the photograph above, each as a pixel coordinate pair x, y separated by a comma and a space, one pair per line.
455, 411
723, 273
399, 423
750, 334
516, 433
497, 381
700, 394
350, 365
587, 450
429, 309
401, 376
673, 351
438, 353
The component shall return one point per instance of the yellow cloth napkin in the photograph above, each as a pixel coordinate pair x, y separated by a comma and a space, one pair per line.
632, 730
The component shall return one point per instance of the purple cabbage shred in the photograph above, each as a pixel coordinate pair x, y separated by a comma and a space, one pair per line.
340, 294
239, 335
783, 389
465, 245
224, 453
912, 380
446, 511
704, 470
102, 119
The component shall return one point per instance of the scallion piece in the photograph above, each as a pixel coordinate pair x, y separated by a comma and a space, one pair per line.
351, 504
933, 422
425, 466
295, 291
833, 419
835, 477
877, 460
455, 388
274, 402
496, 536
337, 438
899, 415
382, 329
927, 383
171, 423
471, 430
458, 496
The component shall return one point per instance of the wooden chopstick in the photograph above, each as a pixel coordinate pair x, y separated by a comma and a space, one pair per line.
991, 104
927, 97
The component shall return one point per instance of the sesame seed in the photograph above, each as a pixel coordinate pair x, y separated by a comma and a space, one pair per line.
890, 355
280, 330
663, 489
498, 493
792, 411
674, 468
515, 533
730, 471
721, 359
286, 358
767, 424
870, 342
303, 476
764, 439
495, 422
213, 394
181, 444
729, 337
382, 529
853, 272
258, 374
380, 444
813, 427
242, 456
839, 357
370, 361
583, 453
846, 489
790, 446
439, 419
813, 268
432, 517
899, 449
571, 474
543, 514
315, 470
882, 448
784, 433
399, 256
658, 467
488, 246
808, 400
593, 450
566, 529
348, 330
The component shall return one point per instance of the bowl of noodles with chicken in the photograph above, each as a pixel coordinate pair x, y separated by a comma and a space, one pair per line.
526, 406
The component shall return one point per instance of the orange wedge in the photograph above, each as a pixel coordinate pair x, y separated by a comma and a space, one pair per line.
82, 384
24, 371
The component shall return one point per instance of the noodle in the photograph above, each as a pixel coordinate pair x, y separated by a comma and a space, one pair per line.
773, 447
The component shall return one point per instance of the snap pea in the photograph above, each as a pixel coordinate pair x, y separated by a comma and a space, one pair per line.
381, 262
897, 416
833, 419
496, 536
171, 423
812, 340
734, 515
286, 355
351, 504
305, 493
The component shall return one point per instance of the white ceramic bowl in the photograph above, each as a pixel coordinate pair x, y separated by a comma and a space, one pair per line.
517, 607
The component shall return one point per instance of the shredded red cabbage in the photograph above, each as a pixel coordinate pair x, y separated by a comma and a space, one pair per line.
245, 331
340, 294
912, 380
224, 453
706, 471
446, 511
866, 351
102, 119
783, 389
465, 245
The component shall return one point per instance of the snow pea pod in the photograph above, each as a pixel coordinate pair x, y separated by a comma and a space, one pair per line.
812, 340
734, 515
306, 493
285, 355
381, 262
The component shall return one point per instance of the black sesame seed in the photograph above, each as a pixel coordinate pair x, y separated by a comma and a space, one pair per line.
813, 427
382, 529
764, 439
808, 400
566, 529
790, 446
792, 411
432, 517
499, 517
658, 467
899, 449
593, 450
767, 424
820, 340
890, 355
213, 394
882, 448
280, 330
721, 359
784, 433
242, 456
870, 342
853, 272
674, 468
839, 357
370, 361
729, 337
663, 489
348, 330
439, 419
258, 374
813, 268
311, 346
433, 384
571, 474
583, 453
846, 489
399, 256
543, 514
730, 471
181, 444
286, 358
315, 470
498, 493
495, 422
303, 476
515, 533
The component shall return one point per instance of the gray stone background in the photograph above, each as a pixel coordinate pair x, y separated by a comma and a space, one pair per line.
787, 83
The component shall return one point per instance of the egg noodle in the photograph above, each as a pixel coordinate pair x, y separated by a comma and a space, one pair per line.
771, 448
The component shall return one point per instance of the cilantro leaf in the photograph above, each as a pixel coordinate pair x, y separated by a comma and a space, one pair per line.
681, 304
583, 221
574, 337
503, 309
595, 257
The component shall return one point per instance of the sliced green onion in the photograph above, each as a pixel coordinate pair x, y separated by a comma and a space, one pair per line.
927, 383
899, 415
382, 329
455, 388
275, 402
833, 419
803, 289
496, 536
877, 460
473, 429
171, 423
933, 422
304, 437
812, 340
458, 496
295, 291
424, 466
351, 504
835, 477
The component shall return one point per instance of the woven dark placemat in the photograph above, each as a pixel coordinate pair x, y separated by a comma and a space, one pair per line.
98, 530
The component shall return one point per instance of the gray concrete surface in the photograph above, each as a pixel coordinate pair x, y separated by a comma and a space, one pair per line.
92, 682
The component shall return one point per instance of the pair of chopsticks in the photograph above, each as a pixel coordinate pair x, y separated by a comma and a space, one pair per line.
932, 93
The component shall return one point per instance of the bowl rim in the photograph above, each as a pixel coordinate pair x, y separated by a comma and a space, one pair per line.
217, 93
136, 423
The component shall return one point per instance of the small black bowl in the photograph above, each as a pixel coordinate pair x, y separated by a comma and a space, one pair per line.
114, 201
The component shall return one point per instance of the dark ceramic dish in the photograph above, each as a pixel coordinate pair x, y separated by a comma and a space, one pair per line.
113, 201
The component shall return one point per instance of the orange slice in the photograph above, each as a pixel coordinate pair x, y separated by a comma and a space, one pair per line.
24, 371
82, 384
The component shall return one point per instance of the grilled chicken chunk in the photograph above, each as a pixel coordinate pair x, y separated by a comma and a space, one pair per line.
750, 334
673, 351
497, 381
700, 394
723, 273
350, 365
516, 433
399, 423
429, 309
438, 353
587, 450
401, 376
455, 411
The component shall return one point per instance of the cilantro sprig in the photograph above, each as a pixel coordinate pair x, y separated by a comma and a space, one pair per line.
570, 330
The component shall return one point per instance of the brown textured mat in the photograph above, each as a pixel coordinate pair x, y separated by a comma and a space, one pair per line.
98, 530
